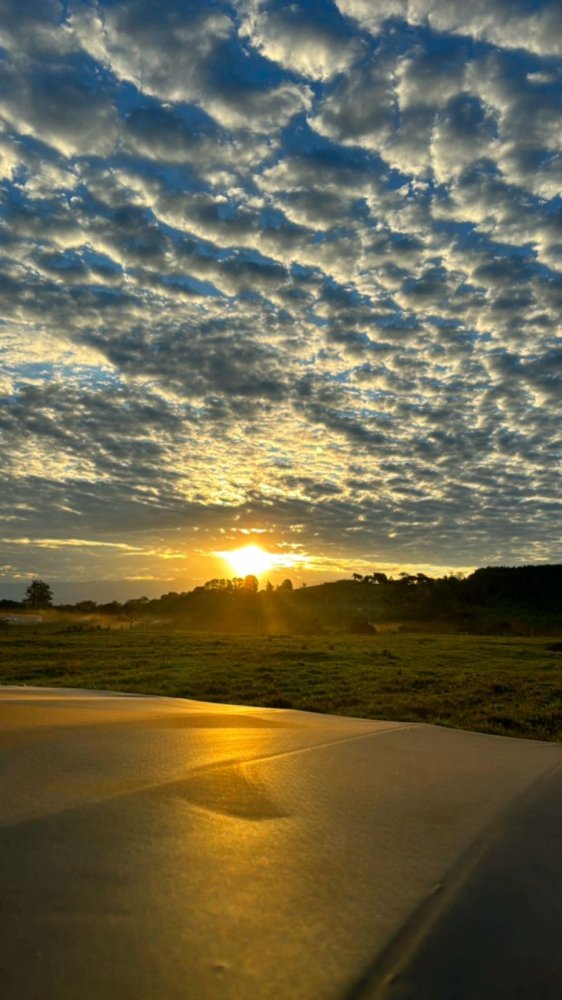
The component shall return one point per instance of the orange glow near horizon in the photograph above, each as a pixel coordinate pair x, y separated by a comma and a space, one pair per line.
250, 560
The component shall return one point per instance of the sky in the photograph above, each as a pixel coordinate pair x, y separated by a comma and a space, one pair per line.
278, 273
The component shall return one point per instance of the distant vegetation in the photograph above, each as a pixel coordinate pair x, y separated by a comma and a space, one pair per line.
367, 646
522, 600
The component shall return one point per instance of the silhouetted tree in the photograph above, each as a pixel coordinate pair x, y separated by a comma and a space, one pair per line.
38, 595
135, 610
286, 585
86, 606
111, 608
7, 605
221, 584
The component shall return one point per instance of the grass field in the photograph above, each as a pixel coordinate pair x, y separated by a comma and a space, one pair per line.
512, 687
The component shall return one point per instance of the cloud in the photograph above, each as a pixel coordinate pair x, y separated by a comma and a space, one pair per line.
308, 39
520, 25
516, 25
288, 268
70, 543
140, 43
361, 107
57, 106
372, 16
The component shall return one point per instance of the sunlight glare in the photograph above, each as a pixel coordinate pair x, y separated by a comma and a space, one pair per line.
250, 560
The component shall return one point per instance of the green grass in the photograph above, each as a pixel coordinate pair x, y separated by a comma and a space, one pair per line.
507, 686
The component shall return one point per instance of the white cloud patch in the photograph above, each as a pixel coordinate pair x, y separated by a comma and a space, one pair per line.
301, 38
516, 24
373, 15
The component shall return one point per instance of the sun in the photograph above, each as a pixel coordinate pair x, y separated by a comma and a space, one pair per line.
251, 560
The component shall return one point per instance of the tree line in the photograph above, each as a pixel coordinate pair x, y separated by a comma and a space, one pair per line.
491, 599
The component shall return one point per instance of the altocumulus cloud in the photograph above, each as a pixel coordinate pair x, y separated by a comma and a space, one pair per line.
291, 267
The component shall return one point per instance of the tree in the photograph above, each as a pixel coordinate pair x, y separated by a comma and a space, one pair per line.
286, 585
38, 595
86, 607
135, 610
251, 583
